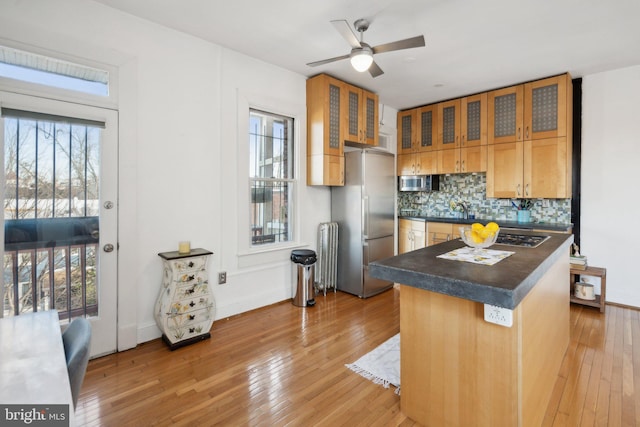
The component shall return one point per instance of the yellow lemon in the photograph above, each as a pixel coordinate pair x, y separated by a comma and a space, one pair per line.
492, 226
476, 237
484, 233
477, 227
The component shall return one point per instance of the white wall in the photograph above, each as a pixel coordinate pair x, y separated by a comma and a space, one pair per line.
182, 102
610, 159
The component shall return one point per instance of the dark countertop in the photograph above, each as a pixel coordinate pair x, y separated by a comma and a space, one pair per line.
504, 284
551, 226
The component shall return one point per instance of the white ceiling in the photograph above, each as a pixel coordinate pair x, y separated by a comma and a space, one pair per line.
471, 45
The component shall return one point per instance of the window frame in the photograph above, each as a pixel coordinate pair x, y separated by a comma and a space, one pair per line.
291, 181
258, 100
110, 101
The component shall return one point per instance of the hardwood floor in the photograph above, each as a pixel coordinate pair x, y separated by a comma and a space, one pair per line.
284, 365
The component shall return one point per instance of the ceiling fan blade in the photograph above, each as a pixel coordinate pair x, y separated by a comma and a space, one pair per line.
345, 30
326, 61
375, 70
400, 44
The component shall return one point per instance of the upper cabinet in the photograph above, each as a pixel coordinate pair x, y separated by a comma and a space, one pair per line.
325, 129
407, 131
336, 112
530, 140
546, 110
505, 114
473, 120
519, 135
449, 125
361, 118
417, 138
535, 110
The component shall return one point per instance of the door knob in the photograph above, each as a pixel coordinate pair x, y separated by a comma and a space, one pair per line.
108, 247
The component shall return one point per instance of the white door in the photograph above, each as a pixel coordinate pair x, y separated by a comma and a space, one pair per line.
60, 212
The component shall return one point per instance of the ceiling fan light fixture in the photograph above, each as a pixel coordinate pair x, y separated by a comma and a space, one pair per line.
361, 58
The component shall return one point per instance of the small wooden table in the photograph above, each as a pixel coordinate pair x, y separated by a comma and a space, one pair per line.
33, 367
600, 272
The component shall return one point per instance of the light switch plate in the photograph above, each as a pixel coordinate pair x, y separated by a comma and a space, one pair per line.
498, 315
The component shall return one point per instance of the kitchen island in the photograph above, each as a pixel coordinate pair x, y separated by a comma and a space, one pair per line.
457, 368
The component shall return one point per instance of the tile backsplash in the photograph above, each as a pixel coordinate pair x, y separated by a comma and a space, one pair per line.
470, 189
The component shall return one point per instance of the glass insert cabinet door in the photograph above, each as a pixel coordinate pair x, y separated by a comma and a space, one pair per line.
546, 113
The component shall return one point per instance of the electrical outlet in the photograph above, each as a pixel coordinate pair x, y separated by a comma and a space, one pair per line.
505, 202
546, 203
498, 315
222, 278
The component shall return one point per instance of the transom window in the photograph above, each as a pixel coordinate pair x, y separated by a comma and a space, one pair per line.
271, 177
33, 68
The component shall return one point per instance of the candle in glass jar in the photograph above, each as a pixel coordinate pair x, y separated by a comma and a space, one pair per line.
184, 247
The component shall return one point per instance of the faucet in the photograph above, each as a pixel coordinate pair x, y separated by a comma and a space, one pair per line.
465, 210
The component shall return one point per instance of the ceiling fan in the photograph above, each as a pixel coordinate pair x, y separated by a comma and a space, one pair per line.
361, 55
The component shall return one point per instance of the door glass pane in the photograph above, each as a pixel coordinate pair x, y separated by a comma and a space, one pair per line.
505, 115
544, 108
449, 125
51, 208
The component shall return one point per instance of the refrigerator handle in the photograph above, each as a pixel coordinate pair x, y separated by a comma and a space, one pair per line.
365, 255
365, 217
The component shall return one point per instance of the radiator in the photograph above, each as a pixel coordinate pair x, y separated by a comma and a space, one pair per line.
326, 272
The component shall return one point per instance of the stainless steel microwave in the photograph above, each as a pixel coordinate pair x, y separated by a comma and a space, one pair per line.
419, 183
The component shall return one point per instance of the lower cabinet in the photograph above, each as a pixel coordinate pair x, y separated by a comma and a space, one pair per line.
416, 234
438, 232
411, 235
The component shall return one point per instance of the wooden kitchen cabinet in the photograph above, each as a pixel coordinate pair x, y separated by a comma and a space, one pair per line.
530, 155
361, 116
536, 110
407, 132
449, 125
420, 163
473, 159
448, 161
504, 170
462, 160
438, 232
473, 120
529, 169
547, 171
411, 235
326, 107
417, 137
505, 115
336, 112
548, 108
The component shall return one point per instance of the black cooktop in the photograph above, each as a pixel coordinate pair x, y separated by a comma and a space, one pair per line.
530, 241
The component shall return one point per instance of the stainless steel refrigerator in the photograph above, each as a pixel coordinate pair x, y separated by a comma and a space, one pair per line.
364, 211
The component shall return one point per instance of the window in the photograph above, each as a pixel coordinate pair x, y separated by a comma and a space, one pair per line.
271, 177
30, 67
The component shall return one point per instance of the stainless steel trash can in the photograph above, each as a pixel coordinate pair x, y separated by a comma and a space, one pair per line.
305, 260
